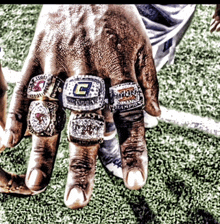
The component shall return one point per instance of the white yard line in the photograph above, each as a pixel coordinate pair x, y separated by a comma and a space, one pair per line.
188, 120
179, 118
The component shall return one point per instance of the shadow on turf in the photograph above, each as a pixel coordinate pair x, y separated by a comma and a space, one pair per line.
178, 186
195, 215
175, 184
142, 211
138, 203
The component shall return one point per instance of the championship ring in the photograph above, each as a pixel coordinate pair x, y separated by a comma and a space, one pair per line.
45, 86
126, 97
84, 93
45, 118
86, 128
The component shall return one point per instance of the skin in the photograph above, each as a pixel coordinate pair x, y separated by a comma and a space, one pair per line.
105, 41
3, 100
9, 182
108, 41
215, 24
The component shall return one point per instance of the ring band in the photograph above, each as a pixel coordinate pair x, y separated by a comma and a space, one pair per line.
45, 118
45, 86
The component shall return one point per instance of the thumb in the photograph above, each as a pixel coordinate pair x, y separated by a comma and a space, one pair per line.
16, 120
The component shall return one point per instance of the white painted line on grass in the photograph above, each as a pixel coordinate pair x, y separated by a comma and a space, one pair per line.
179, 118
188, 120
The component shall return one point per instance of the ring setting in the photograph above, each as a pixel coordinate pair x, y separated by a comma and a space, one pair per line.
45, 86
45, 118
84, 93
126, 97
86, 128
81, 93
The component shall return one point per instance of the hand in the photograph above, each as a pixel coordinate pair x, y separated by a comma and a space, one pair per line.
107, 42
215, 24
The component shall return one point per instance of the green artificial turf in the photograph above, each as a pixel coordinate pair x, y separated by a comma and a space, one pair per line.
192, 84
184, 170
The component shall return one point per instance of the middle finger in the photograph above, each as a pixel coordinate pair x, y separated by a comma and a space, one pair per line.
84, 96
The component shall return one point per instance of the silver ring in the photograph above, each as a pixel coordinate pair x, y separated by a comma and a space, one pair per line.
126, 97
84, 93
86, 128
45, 118
45, 86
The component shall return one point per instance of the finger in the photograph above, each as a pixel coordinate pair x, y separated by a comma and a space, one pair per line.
218, 27
213, 25
127, 103
84, 95
45, 121
85, 130
130, 126
147, 79
130, 121
127, 100
9, 183
41, 163
16, 121
3, 106
81, 174
12, 183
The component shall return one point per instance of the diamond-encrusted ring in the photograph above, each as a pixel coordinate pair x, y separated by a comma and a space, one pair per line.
45, 118
84, 93
126, 97
45, 86
86, 128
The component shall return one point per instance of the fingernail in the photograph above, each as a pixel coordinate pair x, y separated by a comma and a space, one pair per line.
135, 180
75, 199
36, 180
6, 138
2, 147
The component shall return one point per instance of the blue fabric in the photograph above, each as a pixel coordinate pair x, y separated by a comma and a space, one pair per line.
165, 27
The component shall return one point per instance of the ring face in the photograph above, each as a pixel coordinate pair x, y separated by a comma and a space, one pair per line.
86, 128
126, 96
45, 118
84, 93
40, 118
45, 85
